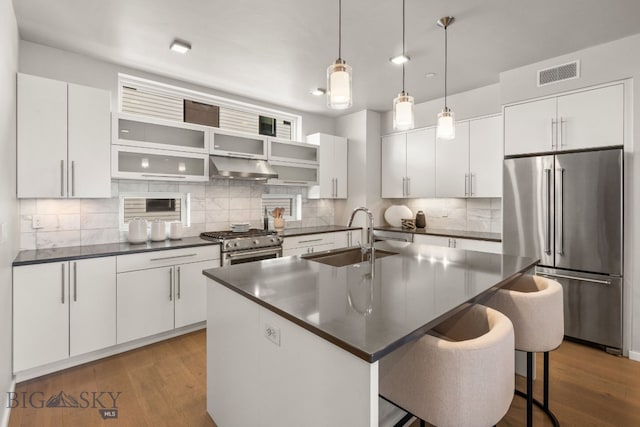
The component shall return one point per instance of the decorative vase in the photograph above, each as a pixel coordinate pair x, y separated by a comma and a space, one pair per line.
421, 220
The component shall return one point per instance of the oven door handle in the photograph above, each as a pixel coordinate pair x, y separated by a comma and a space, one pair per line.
251, 254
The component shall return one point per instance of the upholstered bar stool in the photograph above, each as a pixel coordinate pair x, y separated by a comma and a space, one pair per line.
534, 305
461, 373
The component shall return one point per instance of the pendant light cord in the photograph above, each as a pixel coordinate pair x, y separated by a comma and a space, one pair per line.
340, 29
445, 66
403, 50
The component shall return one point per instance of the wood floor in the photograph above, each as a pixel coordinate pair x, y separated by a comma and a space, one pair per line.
164, 385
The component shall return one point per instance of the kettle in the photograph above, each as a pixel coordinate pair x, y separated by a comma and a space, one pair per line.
421, 220
137, 230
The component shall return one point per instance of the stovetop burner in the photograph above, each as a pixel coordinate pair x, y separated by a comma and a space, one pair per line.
253, 239
228, 234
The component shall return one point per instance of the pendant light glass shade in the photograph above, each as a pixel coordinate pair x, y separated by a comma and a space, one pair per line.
446, 128
403, 116
339, 89
339, 85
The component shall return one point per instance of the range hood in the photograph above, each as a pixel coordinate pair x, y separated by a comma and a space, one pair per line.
232, 167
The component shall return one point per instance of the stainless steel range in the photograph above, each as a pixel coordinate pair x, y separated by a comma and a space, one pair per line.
248, 246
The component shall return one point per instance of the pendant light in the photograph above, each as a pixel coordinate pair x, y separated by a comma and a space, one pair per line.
446, 121
403, 104
339, 92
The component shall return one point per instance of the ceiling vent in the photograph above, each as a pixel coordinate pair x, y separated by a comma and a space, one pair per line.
559, 73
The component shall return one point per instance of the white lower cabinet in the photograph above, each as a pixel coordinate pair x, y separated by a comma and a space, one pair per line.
459, 243
160, 291
62, 309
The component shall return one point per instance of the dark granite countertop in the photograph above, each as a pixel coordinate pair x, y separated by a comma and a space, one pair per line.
291, 232
463, 234
370, 316
39, 256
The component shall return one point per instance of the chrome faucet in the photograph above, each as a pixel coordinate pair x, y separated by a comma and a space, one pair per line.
364, 249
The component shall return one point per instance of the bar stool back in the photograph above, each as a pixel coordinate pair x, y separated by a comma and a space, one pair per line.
459, 374
535, 306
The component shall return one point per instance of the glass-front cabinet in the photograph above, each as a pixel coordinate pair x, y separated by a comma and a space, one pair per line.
294, 173
291, 151
155, 133
162, 165
238, 144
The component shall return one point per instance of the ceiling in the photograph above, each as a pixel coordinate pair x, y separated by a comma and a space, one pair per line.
277, 51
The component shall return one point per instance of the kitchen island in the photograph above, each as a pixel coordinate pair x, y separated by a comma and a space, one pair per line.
291, 341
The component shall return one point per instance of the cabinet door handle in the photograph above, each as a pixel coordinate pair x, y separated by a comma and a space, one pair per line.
466, 184
553, 123
62, 178
408, 186
171, 284
560, 124
560, 210
75, 281
73, 177
163, 176
471, 175
295, 182
172, 257
62, 285
311, 240
404, 186
178, 280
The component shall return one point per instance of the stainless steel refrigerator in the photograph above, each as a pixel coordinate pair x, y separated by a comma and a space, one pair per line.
567, 210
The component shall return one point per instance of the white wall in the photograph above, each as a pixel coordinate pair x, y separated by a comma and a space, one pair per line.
362, 129
71, 67
478, 102
8, 202
604, 63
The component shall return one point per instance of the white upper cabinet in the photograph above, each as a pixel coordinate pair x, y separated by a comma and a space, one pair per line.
567, 122
89, 138
333, 166
63, 139
593, 118
485, 157
408, 164
471, 164
394, 166
452, 164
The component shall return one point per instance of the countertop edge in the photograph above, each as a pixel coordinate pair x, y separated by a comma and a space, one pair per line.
305, 231
462, 234
60, 258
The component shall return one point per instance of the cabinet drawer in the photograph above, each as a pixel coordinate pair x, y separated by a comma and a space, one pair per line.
154, 259
308, 240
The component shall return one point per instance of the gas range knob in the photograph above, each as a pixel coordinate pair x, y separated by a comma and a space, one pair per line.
256, 242
235, 244
228, 244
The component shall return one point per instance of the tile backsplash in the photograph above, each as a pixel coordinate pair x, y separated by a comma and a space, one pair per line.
214, 206
459, 214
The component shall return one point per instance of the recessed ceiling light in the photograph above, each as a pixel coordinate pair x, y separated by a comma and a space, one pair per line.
429, 75
400, 59
180, 46
318, 91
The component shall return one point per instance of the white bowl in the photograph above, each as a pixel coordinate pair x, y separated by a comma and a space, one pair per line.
394, 214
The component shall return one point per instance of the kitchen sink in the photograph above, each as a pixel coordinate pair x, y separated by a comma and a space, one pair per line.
342, 257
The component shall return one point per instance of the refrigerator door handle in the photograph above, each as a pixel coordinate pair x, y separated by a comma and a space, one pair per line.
582, 279
560, 207
547, 217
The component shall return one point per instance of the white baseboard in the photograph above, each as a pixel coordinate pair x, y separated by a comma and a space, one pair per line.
6, 413
634, 355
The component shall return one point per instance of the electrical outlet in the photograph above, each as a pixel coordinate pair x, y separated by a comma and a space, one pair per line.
272, 334
36, 221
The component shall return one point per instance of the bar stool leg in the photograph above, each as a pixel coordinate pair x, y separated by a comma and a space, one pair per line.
529, 389
546, 381
423, 423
